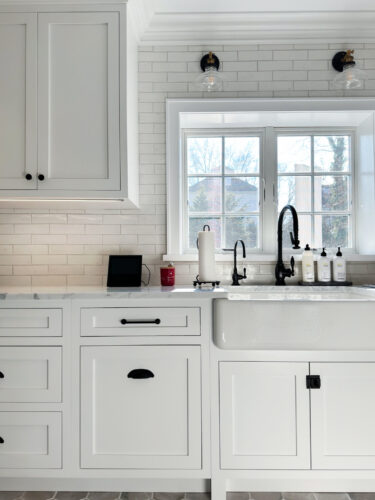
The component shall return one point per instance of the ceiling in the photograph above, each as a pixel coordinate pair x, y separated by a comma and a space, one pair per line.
249, 21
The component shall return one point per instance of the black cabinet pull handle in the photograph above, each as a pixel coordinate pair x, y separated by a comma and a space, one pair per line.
28, 177
41, 177
141, 322
1, 440
140, 373
2, 375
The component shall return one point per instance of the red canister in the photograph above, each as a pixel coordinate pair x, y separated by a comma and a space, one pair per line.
167, 275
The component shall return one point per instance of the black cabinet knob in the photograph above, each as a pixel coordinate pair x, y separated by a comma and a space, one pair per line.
41, 177
28, 177
2, 375
1, 440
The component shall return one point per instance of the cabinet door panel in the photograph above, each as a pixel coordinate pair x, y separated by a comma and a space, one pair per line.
30, 440
141, 423
264, 416
18, 153
342, 416
30, 374
78, 73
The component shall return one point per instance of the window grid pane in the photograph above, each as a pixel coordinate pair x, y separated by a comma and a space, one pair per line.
233, 201
338, 222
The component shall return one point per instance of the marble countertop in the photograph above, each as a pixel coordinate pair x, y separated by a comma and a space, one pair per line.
259, 292
86, 292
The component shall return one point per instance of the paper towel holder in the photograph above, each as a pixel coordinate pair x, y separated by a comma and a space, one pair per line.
197, 281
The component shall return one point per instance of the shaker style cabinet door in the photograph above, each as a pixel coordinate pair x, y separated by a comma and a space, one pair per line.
141, 407
78, 101
264, 415
18, 101
342, 416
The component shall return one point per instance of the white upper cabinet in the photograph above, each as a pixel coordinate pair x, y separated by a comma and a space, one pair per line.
342, 416
18, 97
264, 416
78, 101
68, 100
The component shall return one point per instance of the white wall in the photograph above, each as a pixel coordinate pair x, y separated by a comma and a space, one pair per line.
58, 247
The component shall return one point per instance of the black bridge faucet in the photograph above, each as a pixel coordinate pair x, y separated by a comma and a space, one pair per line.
281, 272
235, 276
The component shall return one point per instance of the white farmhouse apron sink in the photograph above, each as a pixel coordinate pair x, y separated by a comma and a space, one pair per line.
295, 318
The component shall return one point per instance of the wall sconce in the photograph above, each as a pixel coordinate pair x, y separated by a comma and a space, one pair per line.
210, 80
350, 77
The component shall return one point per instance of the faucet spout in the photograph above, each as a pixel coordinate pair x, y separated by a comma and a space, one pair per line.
281, 272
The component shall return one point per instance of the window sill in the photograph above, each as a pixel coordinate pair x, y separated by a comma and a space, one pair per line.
258, 257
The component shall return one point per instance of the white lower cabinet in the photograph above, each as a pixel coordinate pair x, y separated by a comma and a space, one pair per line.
30, 440
264, 415
266, 409
342, 416
141, 407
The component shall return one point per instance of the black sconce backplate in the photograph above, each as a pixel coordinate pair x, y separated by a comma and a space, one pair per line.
337, 61
205, 64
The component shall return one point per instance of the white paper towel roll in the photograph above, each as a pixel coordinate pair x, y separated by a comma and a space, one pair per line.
206, 249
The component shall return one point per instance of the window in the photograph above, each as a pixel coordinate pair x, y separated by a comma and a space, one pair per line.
225, 182
222, 188
315, 176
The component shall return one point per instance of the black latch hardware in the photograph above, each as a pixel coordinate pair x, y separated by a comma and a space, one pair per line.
313, 382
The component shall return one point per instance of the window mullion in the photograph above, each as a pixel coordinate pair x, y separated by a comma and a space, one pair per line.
312, 159
223, 231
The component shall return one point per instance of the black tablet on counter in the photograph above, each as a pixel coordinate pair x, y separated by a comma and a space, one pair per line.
124, 271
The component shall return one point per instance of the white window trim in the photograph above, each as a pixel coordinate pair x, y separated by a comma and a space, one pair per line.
349, 112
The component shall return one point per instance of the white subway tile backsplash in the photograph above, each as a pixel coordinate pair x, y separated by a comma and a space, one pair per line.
66, 249
66, 228
30, 270
59, 247
28, 249
56, 239
49, 259
49, 218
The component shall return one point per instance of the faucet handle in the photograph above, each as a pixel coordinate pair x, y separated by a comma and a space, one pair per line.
244, 273
292, 265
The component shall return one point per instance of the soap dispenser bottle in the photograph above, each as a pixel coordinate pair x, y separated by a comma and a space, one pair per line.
308, 265
339, 267
324, 267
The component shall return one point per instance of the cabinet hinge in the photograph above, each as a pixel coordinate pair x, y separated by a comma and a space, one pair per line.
313, 382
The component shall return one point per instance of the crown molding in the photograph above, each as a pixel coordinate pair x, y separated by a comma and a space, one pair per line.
140, 14
258, 27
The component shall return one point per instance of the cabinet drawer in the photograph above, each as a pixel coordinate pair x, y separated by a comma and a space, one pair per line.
141, 407
30, 374
30, 440
30, 322
128, 321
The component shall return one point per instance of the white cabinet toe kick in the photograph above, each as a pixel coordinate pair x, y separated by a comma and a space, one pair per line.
89, 401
